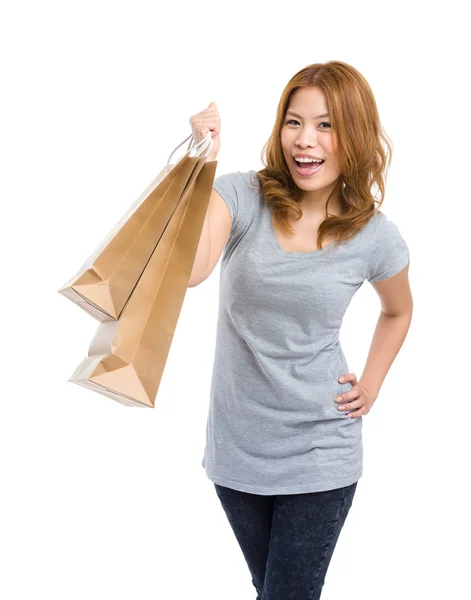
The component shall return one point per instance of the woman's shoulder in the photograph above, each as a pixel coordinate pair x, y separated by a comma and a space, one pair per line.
384, 226
240, 178
240, 191
377, 228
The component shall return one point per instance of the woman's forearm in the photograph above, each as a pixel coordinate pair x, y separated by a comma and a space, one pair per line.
388, 338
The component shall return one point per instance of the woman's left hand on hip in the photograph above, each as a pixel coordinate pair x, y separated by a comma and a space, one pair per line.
358, 400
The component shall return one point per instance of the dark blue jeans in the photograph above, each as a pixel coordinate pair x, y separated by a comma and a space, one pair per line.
287, 540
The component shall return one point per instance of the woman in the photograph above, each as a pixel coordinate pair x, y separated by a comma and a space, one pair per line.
299, 237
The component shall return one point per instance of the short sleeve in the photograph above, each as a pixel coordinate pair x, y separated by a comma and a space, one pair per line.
390, 253
226, 187
239, 197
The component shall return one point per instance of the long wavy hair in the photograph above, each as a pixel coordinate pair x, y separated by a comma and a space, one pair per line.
363, 161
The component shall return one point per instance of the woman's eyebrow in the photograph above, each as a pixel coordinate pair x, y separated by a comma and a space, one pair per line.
290, 112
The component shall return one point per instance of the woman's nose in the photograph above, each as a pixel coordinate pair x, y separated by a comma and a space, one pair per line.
306, 139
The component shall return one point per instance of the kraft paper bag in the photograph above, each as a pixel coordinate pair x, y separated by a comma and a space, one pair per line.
126, 358
104, 283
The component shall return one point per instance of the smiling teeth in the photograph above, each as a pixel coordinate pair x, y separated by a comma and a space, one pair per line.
307, 160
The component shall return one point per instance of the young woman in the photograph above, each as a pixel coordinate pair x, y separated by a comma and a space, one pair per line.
298, 238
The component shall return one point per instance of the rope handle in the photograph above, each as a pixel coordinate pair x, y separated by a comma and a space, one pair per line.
198, 149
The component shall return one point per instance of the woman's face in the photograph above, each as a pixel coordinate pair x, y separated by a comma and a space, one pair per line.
310, 133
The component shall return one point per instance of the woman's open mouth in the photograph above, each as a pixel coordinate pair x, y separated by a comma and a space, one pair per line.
308, 168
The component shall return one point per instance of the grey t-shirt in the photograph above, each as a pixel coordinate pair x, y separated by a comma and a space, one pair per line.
273, 424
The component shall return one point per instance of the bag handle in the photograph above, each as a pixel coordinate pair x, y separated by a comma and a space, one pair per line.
199, 148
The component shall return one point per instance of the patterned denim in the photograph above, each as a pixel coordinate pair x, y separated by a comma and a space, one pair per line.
287, 540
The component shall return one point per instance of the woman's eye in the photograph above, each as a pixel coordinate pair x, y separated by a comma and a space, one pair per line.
294, 121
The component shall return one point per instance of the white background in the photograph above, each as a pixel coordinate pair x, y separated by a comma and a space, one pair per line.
107, 502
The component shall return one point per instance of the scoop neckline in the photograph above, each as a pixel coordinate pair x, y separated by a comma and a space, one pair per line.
291, 253
271, 234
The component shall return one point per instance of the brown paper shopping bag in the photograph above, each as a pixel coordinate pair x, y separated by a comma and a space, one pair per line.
126, 358
105, 281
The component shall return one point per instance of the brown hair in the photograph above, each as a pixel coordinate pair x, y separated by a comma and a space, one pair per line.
362, 159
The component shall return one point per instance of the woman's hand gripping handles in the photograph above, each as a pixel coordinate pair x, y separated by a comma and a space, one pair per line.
205, 121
